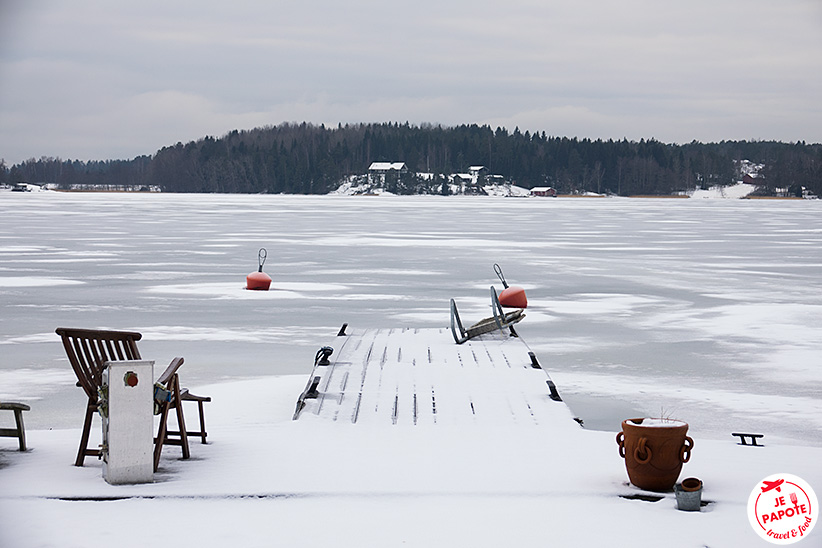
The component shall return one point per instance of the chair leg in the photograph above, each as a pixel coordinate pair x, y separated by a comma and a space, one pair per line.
202, 422
164, 433
161, 435
199, 400
21, 431
181, 421
81, 453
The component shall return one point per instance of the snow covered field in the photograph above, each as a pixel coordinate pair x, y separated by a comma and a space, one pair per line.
701, 310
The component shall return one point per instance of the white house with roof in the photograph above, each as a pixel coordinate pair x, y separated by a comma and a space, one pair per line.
470, 183
377, 171
476, 172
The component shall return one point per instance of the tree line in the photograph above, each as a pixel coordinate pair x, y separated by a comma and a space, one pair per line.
309, 159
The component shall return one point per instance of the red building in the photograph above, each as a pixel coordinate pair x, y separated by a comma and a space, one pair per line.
544, 191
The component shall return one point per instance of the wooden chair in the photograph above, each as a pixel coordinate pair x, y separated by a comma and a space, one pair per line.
88, 350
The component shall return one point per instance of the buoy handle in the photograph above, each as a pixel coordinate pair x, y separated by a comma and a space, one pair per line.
261, 256
501, 277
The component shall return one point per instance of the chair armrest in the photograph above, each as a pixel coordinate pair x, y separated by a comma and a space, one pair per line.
185, 395
14, 406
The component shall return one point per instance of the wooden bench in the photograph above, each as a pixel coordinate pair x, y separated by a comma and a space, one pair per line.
20, 431
743, 437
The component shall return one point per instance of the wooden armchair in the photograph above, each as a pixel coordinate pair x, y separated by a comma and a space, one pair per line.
89, 349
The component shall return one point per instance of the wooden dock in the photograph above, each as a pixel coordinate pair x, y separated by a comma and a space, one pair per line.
422, 377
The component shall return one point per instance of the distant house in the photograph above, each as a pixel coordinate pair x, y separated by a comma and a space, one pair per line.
378, 171
749, 179
27, 187
476, 172
544, 191
466, 183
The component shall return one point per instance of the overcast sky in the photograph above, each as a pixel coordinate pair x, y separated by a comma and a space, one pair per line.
86, 79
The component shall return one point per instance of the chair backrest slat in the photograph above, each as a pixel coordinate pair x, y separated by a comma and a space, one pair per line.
83, 367
109, 349
101, 356
131, 350
94, 358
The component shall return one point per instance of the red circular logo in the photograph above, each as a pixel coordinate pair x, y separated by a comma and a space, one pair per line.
783, 509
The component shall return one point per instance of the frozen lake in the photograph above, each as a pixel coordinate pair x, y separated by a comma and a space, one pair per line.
709, 311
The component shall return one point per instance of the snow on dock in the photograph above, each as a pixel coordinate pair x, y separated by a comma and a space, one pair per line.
422, 377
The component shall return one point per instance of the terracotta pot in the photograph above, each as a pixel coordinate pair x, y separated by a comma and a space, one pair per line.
654, 451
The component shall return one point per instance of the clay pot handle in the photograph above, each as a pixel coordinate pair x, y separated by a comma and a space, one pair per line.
685, 452
620, 439
642, 448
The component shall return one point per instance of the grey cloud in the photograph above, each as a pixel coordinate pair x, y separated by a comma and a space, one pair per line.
136, 77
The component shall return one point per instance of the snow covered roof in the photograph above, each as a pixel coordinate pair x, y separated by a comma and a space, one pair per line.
386, 166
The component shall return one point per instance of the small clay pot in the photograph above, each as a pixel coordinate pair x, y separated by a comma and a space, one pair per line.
691, 484
654, 451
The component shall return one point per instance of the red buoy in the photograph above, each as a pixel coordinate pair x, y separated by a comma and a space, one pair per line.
259, 280
513, 297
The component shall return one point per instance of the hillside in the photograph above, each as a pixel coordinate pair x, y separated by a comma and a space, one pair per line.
308, 159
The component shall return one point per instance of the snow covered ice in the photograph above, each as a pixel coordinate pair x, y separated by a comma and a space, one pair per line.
700, 310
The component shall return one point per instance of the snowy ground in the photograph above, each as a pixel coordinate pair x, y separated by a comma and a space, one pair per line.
702, 310
266, 480
739, 190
